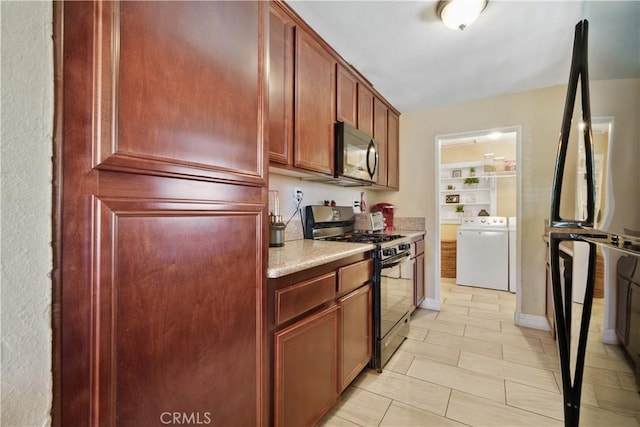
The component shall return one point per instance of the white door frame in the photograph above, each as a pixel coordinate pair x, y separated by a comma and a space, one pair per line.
438, 139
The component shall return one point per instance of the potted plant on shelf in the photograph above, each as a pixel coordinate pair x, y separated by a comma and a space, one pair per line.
459, 210
471, 182
472, 171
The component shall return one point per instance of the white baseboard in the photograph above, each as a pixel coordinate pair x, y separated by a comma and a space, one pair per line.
431, 304
609, 336
531, 321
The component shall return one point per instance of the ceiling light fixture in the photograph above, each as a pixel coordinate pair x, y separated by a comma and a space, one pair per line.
459, 14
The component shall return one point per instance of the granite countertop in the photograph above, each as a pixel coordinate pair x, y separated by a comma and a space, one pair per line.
412, 234
298, 255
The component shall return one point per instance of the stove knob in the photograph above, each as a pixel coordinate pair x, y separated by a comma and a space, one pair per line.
615, 240
389, 252
404, 246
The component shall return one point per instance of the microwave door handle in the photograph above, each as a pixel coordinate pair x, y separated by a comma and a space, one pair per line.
372, 147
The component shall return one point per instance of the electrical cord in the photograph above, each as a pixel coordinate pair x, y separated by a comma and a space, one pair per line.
295, 212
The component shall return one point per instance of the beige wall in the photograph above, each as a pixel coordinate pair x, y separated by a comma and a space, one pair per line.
539, 113
26, 257
505, 147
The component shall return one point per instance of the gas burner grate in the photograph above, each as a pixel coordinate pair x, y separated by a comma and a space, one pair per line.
364, 238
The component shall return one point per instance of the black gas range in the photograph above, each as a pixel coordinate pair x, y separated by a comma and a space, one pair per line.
392, 279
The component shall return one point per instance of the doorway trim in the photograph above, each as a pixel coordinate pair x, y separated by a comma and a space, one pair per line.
517, 129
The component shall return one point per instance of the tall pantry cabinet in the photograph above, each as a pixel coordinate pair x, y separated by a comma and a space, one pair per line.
160, 184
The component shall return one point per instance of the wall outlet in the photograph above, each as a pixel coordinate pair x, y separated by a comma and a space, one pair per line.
298, 195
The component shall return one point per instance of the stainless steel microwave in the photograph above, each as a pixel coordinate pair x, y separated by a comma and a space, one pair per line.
356, 154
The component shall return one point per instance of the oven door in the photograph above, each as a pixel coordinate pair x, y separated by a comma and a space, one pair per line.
396, 292
396, 300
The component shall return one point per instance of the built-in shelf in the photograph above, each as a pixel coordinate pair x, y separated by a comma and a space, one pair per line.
481, 196
466, 204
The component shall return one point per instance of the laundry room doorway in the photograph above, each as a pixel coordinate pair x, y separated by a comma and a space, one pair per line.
477, 176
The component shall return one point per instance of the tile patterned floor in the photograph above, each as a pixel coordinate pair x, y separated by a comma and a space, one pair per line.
469, 365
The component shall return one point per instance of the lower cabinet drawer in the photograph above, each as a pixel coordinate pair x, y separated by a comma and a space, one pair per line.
301, 297
355, 275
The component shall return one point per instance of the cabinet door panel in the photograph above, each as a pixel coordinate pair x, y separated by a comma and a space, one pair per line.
152, 311
346, 87
365, 110
393, 151
314, 105
280, 86
622, 310
174, 95
380, 136
164, 281
633, 346
356, 333
306, 369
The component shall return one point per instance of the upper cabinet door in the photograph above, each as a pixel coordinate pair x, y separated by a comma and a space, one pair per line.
175, 98
314, 105
365, 110
280, 86
393, 150
346, 86
380, 136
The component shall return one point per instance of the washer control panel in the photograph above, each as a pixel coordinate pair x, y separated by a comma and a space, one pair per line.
484, 221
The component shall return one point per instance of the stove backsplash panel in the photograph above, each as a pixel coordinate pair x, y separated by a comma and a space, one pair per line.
410, 223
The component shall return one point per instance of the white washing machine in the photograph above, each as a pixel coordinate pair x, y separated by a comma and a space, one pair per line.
483, 253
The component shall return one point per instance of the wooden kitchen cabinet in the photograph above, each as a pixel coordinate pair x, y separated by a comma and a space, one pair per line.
346, 96
550, 311
380, 136
310, 88
365, 110
356, 339
633, 348
161, 117
281, 63
306, 369
418, 274
628, 308
625, 273
320, 325
314, 105
393, 151
566, 276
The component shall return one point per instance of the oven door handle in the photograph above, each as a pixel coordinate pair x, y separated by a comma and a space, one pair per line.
399, 261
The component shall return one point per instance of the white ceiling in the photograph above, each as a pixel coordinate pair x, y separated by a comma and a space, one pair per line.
415, 62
